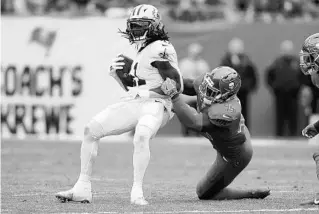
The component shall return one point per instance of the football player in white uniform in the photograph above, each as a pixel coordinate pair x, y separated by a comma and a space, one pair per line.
145, 109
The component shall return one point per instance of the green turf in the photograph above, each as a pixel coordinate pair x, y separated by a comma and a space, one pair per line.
33, 171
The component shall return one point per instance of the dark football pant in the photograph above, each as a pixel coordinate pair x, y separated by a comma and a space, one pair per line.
223, 172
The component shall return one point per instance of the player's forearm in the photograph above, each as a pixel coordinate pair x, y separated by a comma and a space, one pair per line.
316, 125
187, 115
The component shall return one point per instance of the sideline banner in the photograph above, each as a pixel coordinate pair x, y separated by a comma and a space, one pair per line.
54, 74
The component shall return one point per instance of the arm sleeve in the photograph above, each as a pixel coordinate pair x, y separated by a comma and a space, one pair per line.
189, 87
188, 115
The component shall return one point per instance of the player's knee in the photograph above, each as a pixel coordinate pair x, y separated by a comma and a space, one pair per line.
208, 187
149, 123
93, 131
201, 191
142, 137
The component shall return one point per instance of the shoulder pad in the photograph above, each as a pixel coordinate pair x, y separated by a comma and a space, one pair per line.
162, 50
224, 113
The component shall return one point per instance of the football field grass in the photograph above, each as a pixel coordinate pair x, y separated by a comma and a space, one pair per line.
33, 171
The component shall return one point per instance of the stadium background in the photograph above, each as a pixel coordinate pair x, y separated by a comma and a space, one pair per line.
36, 40
54, 78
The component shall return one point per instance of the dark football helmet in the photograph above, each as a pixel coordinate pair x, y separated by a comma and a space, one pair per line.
309, 55
218, 86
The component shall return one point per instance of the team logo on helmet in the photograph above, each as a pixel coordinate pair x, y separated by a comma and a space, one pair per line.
156, 14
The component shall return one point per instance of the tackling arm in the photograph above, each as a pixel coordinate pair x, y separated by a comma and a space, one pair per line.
189, 116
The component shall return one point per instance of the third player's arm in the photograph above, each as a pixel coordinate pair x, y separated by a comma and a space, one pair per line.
189, 116
190, 85
316, 125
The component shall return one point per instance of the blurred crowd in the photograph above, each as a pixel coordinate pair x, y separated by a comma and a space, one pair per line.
180, 10
278, 10
64, 7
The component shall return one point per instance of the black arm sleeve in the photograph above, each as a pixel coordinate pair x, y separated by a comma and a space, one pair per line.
189, 87
166, 70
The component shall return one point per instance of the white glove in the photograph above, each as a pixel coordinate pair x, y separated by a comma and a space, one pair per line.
169, 87
117, 63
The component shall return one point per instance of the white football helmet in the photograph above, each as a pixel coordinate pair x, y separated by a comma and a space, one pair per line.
143, 23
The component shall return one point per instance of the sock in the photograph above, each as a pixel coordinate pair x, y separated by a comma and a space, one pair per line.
141, 158
89, 150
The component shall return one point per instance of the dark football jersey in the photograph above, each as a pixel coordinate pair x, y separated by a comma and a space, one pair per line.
226, 128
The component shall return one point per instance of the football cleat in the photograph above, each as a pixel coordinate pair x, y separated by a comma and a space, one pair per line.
260, 194
79, 193
316, 200
137, 197
139, 201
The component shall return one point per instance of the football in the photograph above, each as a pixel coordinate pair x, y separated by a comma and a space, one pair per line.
126, 68
123, 74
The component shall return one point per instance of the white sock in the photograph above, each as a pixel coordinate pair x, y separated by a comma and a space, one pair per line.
141, 157
89, 150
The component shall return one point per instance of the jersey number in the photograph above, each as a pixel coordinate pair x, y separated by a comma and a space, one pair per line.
230, 108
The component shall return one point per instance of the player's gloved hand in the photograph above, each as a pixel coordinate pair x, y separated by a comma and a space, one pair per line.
169, 88
117, 64
310, 131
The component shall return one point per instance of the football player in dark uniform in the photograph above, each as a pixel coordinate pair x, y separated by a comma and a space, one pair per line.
219, 119
309, 64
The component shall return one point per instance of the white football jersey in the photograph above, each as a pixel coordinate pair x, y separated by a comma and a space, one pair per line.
142, 69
